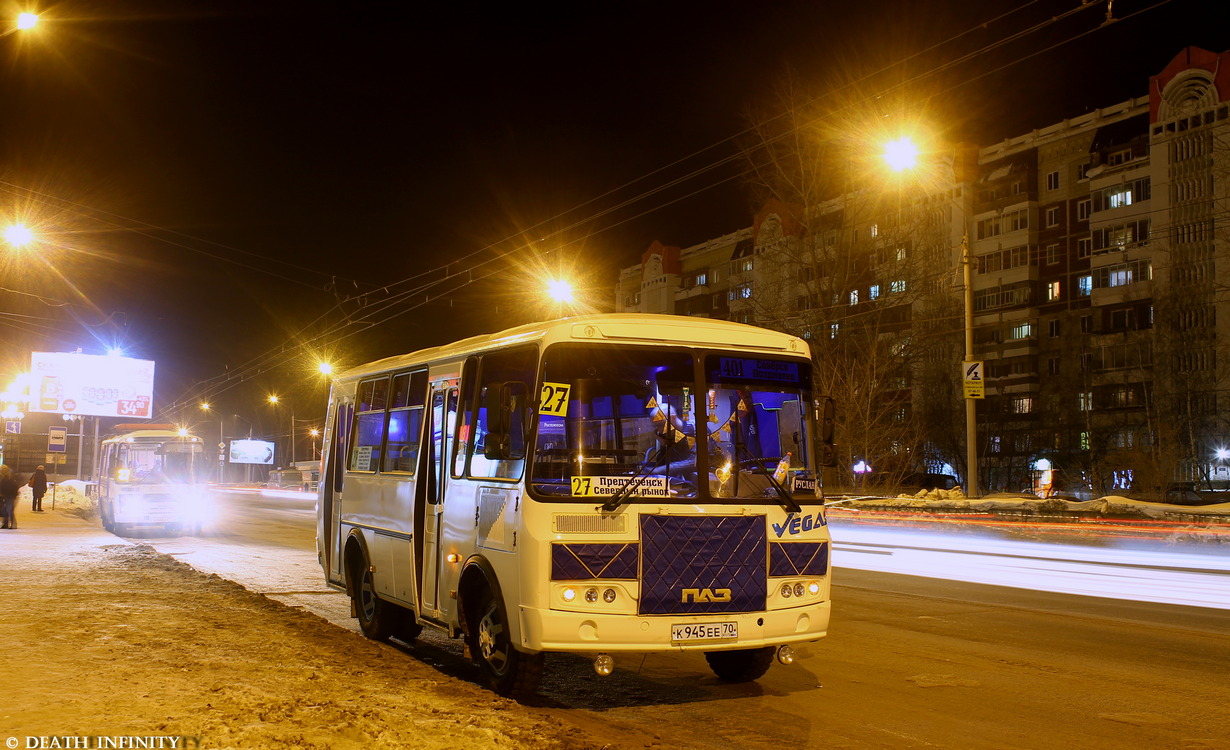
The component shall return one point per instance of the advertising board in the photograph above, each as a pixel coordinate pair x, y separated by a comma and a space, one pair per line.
91, 385
250, 452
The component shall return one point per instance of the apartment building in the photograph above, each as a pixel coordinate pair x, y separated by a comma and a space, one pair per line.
1099, 271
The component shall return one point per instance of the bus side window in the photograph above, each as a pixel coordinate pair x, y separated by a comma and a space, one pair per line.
405, 421
461, 447
369, 425
504, 383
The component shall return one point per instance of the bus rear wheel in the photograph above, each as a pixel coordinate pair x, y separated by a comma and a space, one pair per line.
376, 616
744, 665
508, 672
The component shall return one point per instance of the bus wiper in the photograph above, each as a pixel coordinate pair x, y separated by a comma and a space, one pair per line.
788, 502
634, 481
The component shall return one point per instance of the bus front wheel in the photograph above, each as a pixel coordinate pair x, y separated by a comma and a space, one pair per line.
375, 615
744, 665
509, 672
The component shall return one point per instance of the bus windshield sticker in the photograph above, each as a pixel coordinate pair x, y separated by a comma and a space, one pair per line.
804, 484
554, 399
744, 368
603, 486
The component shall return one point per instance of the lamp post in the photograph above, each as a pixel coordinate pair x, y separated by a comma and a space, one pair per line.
902, 155
290, 435
248, 467
221, 445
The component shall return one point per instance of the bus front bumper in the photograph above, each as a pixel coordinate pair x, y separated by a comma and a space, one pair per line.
582, 632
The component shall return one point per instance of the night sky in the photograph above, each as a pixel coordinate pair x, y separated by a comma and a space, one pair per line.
218, 184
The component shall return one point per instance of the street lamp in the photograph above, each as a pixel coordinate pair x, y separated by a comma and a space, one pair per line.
901, 155
560, 291
275, 401
18, 235
205, 407
315, 433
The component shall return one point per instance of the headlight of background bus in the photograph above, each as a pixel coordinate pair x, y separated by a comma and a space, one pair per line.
196, 506
129, 508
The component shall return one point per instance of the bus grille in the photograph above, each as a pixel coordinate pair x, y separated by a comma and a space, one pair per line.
702, 564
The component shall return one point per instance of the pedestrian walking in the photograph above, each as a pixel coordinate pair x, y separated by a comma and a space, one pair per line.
8, 498
38, 486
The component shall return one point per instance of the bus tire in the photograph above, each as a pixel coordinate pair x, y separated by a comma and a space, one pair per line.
376, 616
743, 665
507, 671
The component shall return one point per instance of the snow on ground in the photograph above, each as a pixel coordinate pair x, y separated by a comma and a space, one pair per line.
1111, 505
105, 638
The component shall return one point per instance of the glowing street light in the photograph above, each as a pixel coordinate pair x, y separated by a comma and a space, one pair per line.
325, 368
18, 235
27, 20
901, 154
559, 290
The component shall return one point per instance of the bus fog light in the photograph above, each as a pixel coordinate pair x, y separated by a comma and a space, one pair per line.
798, 589
569, 594
785, 655
608, 596
591, 595
786, 590
604, 664
813, 588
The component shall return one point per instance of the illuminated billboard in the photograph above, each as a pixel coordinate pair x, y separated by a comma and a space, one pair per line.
251, 452
91, 385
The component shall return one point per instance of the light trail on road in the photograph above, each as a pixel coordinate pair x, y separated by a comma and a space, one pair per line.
1110, 571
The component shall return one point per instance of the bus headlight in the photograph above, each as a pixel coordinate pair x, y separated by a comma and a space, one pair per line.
813, 588
569, 595
591, 595
787, 590
608, 596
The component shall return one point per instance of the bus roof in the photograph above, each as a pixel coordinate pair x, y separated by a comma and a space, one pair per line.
626, 328
145, 433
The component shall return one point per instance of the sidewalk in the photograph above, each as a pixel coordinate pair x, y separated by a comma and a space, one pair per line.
105, 638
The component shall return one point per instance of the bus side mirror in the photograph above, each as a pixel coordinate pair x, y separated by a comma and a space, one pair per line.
828, 452
505, 406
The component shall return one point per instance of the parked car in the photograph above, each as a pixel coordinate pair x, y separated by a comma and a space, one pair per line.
915, 481
1185, 493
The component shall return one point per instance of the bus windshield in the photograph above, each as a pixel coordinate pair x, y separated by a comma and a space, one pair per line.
161, 463
642, 423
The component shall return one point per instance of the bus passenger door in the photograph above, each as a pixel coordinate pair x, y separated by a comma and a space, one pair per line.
429, 500
329, 492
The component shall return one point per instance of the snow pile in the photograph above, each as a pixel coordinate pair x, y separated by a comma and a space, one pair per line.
1112, 505
70, 497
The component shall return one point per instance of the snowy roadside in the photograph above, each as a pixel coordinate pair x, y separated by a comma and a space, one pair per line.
105, 638
1109, 506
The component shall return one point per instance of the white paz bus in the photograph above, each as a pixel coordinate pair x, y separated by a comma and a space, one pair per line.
153, 475
597, 485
